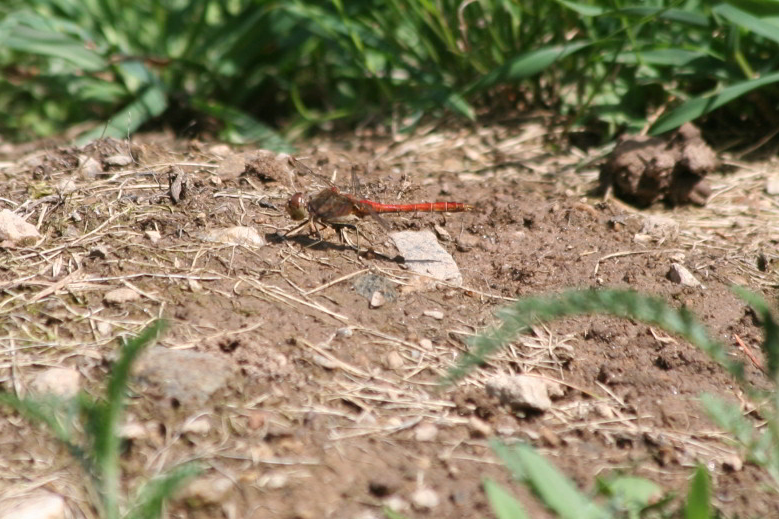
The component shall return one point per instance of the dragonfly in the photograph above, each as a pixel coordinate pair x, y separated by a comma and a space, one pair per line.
331, 207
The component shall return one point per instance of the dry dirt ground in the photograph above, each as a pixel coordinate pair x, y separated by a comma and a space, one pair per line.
325, 406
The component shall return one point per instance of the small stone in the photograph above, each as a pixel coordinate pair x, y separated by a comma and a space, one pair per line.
118, 160
66, 186
554, 390
40, 506
520, 392
377, 299
153, 236
199, 426
133, 431
186, 378
220, 149
344, 332
393, 360
425, 255
237, 235
194, 286
324, 362
604, 410
99, 252
257, 419
772, 185
549, 437
104, 328
62, 382
466, 242
425, 432
396, 504
442, 234
732, 463
661, 228
435, 314
15, 230
426, 344
479, 428
425, 499
121, 296
679, 274
273, 480
90, 168
204, 491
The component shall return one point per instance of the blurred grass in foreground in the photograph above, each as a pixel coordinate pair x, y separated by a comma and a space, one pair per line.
244, 67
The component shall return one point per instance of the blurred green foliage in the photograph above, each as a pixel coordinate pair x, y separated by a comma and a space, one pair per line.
245, 67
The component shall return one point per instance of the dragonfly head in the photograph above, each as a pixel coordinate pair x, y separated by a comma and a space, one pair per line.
296, 207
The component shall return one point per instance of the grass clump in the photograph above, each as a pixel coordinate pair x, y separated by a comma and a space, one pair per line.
98, 448
244, 67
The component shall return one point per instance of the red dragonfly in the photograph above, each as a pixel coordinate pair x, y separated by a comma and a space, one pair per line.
334, 208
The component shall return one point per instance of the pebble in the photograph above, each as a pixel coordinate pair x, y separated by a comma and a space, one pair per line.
118, 160
660, 227
188, 377
133, 431
208, 490
772, 185
435, 314
104, 328
199, 426
680, 275
732, 463
377, 300
393, 360
479, 428
90, 168
425, 255
425, 432
153, 236
396, 503
426, 344
62, 382
520, 392
324, 362
42, 506
237, 235
425, 499
120, 296
15, 229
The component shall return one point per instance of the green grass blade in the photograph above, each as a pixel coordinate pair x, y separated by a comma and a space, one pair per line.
699, 498
509, 458
105, 421
770, 345
698, 106
150, 103
526, 65
554, 489
148, 504
243, 128
503, 504
747, 21
52, 44
729, 417
583, 9
43, 410
620, 303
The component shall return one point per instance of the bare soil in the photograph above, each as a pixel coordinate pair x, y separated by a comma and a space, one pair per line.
323, 412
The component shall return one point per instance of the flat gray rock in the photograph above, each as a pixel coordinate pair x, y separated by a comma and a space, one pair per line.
189, 377
424, 255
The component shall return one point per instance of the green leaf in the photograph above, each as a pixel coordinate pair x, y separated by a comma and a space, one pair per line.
150, 103
698, 500
509, 457
554, 489
148, 504
582, 9
728, 416
636, 493
748, 21
770, 345
502, 502
698, 106
48, 43
527, 65
664, 57
244, 128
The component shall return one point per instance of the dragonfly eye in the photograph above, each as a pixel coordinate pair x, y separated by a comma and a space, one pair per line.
296, 207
